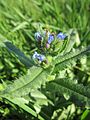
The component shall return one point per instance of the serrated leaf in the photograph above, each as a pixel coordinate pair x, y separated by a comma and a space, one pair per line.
25, 84
78, 93
63, 60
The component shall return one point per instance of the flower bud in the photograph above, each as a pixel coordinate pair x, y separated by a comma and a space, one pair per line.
38, 36
50, 39
47, 45
61, 36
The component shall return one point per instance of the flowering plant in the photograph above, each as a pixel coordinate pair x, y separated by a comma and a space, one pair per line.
49, 81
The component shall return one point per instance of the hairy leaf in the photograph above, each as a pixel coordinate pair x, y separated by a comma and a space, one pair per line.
63, 60
78, 93
25, 84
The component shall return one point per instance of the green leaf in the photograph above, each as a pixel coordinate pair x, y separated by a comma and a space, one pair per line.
63, 60
78, 93
21, 102
13, 49
26, 84
85, 115
39, 99
72, 39
20, 55
20, 26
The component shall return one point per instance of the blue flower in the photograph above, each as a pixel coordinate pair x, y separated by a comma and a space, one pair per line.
50, 39
41, 58
35, 55
38, 36
61, 36
38, 57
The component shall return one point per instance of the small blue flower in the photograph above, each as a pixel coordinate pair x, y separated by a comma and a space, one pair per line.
38, 36
35, 55
61, 36
39, 57
50, 39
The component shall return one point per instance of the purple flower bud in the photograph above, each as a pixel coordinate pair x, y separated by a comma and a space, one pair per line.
50, 39
38, 36
61, 36
38, 57
47, 45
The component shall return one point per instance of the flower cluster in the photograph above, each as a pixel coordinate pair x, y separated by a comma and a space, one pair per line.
44, 40
51, 37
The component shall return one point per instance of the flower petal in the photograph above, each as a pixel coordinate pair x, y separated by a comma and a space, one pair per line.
50, 39
61, 36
